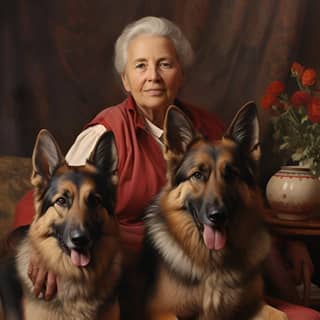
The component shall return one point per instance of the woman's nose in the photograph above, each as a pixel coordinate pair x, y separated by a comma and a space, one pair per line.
153, 73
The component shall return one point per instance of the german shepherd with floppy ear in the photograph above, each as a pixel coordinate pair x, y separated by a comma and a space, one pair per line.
75, 234
205, 242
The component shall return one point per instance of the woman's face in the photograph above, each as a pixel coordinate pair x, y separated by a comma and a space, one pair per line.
153, 74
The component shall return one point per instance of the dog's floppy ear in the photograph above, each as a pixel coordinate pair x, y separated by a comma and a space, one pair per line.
46, 157
245, 130
178, 134
104, 156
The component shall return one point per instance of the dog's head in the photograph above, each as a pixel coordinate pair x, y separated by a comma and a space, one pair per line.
213, 181
75, 222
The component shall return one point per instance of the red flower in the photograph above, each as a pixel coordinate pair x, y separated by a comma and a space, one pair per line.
309, 77
297, 69
275, 88
268, 100
314, 110
300, 98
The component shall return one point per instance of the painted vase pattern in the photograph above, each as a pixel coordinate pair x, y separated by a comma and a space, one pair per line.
294, 193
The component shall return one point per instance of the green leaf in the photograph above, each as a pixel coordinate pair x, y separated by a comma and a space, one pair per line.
304, 119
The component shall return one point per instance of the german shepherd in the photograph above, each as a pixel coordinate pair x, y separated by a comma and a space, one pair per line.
205, 241
75, 234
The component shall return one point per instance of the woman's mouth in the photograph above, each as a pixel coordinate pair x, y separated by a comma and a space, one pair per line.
154, 92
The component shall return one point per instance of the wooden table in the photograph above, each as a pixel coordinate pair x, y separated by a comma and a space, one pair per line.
301, 228
308, 227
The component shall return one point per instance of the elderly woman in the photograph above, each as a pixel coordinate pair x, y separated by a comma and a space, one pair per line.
151, 55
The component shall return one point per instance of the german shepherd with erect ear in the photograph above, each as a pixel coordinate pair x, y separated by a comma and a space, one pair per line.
205, 242
75, 234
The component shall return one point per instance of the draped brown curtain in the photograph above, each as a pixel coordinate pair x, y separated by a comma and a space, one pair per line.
56, 68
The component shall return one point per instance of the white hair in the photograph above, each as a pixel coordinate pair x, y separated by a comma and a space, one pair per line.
152, 26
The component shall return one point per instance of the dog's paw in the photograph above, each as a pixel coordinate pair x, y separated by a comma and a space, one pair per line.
269, 313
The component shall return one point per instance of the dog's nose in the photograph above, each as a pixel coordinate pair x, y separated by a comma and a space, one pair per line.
216, 217
79, 238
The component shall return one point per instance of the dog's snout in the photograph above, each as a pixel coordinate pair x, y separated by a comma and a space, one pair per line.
79, 237
217, 217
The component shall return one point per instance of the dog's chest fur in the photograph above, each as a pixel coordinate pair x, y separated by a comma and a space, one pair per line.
187, 288
209, 296
71, 301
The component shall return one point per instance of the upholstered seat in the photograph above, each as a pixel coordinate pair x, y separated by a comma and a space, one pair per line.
15, 175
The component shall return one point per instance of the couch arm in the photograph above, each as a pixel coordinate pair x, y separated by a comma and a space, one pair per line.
15, 173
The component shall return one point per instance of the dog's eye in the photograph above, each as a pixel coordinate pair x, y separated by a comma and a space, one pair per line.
62, 202
94, 200
198, 175
230, 172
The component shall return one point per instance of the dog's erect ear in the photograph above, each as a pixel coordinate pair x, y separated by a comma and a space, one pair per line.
46, 157
178, 133
245, 131
104, 156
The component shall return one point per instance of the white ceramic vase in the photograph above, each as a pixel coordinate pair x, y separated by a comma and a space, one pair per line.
294, 193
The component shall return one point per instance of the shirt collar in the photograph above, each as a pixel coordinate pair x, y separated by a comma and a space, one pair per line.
154, 130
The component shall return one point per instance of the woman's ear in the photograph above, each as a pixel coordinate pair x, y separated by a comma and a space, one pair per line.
125, 82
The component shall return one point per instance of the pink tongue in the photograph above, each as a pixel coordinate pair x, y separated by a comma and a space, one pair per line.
214, 239
79, 259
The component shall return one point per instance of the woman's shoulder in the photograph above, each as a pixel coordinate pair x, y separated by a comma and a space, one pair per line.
113, 114
111, 118
113, 109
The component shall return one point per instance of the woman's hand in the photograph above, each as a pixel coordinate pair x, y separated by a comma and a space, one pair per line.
44, 281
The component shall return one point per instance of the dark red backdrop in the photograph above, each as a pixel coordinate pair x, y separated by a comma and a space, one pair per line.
57, 70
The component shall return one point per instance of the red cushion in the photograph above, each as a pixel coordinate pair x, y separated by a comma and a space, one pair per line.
24, 211
293, 311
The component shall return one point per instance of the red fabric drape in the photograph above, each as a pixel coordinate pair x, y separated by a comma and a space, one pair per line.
56, 57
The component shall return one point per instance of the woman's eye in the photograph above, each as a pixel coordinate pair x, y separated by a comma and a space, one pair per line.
61, 202
140, 65
198, 175
165, 65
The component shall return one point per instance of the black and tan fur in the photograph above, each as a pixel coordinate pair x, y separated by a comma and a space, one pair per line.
205, 242
75, 234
